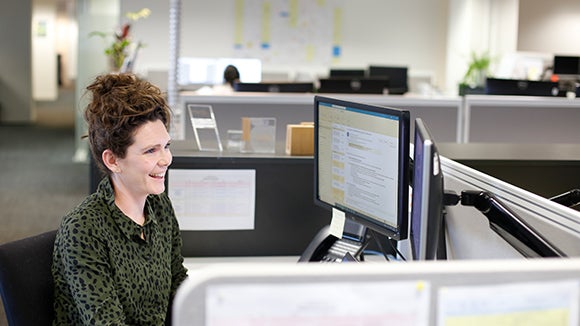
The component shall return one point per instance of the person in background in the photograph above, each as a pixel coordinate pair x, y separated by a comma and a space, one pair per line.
231, 76
117, 255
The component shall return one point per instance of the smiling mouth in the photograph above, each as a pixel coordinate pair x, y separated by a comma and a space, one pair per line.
157, 175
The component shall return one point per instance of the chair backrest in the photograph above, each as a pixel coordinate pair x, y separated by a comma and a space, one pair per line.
26, 283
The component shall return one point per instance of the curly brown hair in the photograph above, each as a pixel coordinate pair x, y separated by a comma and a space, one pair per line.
120, 104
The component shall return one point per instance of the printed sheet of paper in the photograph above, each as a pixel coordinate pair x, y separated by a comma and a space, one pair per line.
541, 303
337, 223
213, 199
317, 304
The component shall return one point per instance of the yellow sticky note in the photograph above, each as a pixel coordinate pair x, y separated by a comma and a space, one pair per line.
337, 223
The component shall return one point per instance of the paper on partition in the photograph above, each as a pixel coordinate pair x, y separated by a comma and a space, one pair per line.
213, 199
549, 303
316, 304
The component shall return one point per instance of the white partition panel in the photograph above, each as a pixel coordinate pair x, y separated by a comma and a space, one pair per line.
520, 119
468, 232
415, 293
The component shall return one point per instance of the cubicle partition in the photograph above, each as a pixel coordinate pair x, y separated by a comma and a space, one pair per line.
468, 233
416, 293
285, 218
472, 118
520, 119
485, 281
441, 113
547, 170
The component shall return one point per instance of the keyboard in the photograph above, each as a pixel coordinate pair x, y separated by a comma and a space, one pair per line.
339, 249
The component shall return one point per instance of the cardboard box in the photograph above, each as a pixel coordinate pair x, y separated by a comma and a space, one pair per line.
300, 139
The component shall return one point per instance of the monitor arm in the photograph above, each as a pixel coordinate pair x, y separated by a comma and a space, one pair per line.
570, 198
509, 225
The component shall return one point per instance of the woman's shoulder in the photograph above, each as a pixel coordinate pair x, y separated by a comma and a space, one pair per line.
86, 215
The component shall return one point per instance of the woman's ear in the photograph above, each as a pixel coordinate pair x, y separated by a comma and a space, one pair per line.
110, 160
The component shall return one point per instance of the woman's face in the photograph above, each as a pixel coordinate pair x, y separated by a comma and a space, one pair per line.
145, 164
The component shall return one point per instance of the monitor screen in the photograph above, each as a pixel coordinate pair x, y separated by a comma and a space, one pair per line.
275, 87
398, 81
335, 72
361, 163
354, 85
427, 196
566, 65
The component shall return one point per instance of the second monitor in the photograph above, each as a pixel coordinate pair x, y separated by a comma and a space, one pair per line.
427, 198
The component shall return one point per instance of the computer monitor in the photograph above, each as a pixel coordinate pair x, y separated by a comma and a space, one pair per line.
339, 73
353, 85
275, 87
427, 196
566, 65
398, 81
361, 163
499, 86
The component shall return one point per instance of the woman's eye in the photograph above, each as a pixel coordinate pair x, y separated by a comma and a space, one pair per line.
149, 151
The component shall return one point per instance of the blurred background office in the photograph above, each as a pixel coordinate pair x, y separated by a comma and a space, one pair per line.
47, 58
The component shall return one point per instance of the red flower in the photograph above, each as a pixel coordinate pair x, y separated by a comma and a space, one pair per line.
124, 32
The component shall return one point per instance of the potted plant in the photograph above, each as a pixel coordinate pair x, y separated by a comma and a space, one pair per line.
119, 49
474, 79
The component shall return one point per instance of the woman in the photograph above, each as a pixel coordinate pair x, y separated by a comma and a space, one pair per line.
117, 257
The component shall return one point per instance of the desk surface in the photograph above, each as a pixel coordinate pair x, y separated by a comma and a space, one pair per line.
198, 262
454, 151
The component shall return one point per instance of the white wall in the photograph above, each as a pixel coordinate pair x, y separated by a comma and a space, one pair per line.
393, 32
432, 37
479, 26
550, 26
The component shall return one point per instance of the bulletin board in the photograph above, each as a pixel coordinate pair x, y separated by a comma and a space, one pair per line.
289, 31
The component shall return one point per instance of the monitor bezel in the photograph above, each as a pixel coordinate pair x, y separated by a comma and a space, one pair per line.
399, 231
429, 191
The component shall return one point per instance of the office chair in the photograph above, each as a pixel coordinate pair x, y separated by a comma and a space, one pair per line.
26, 283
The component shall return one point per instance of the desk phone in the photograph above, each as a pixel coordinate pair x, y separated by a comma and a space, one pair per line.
326, 247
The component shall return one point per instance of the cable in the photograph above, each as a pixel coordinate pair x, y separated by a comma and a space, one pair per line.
397, 250
382, 249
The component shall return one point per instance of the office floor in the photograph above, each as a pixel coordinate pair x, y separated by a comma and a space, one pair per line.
40, 181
